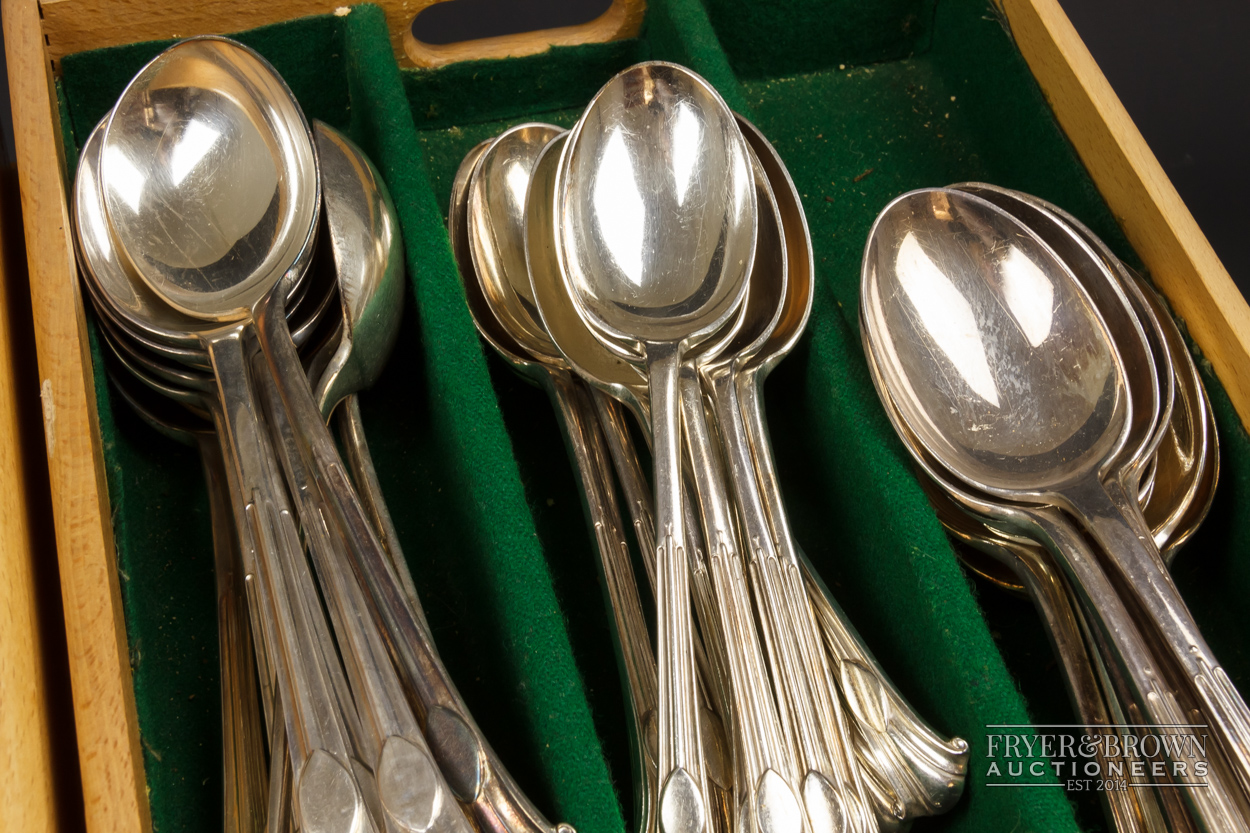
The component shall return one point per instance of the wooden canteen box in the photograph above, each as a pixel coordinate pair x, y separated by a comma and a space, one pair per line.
863, 101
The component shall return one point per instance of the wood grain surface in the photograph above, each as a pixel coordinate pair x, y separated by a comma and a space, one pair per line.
1142, 198
110, 761
27, 777
77, 25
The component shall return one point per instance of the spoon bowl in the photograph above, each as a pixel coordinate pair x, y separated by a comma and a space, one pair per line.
656, 215
581, 347
1136, 333
209, 178
368, 267
1017, 404
497, 194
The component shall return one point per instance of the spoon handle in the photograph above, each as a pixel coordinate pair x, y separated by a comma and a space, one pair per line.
758, 733
683, 793
1158, 811
801, 674
938, 766
356, 448
1113, 518
1212, 803
411, 792
473, 771
711, 661
243, 752
1093, 694
310, 709
280, 811
590, 459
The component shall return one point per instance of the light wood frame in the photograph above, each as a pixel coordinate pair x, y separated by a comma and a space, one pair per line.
70, 26
37, 35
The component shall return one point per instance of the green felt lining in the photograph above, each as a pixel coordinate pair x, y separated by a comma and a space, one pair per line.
472, 461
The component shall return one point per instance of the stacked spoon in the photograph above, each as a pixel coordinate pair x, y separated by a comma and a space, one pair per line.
656, 257
228, 321
1048, 396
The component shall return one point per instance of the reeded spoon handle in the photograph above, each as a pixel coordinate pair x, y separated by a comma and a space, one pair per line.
683, 798
243, 752
760, 745
318, 742
938, 765
711, 661
590, 459
1213, 804
1158, 811
818, 726
708, 647
1113, 518
1093, 695
411, 792
472, 769
356, 447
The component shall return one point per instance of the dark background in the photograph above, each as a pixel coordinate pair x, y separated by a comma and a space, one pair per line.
1182, 70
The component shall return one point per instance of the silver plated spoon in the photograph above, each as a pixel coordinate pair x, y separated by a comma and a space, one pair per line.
657, 220
964, 357
497, 286
210, 183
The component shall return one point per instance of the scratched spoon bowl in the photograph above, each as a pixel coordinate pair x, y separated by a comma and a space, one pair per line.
207, 136
1004, 371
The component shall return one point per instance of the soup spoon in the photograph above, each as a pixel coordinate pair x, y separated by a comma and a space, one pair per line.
214, 225
969, 414
657, 222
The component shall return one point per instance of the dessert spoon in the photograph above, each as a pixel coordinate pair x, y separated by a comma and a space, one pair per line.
656, 220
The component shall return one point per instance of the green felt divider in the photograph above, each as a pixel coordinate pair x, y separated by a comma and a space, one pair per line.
473, 464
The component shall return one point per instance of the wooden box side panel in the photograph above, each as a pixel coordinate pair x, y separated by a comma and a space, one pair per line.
1140, 195
27, 780
111, 764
